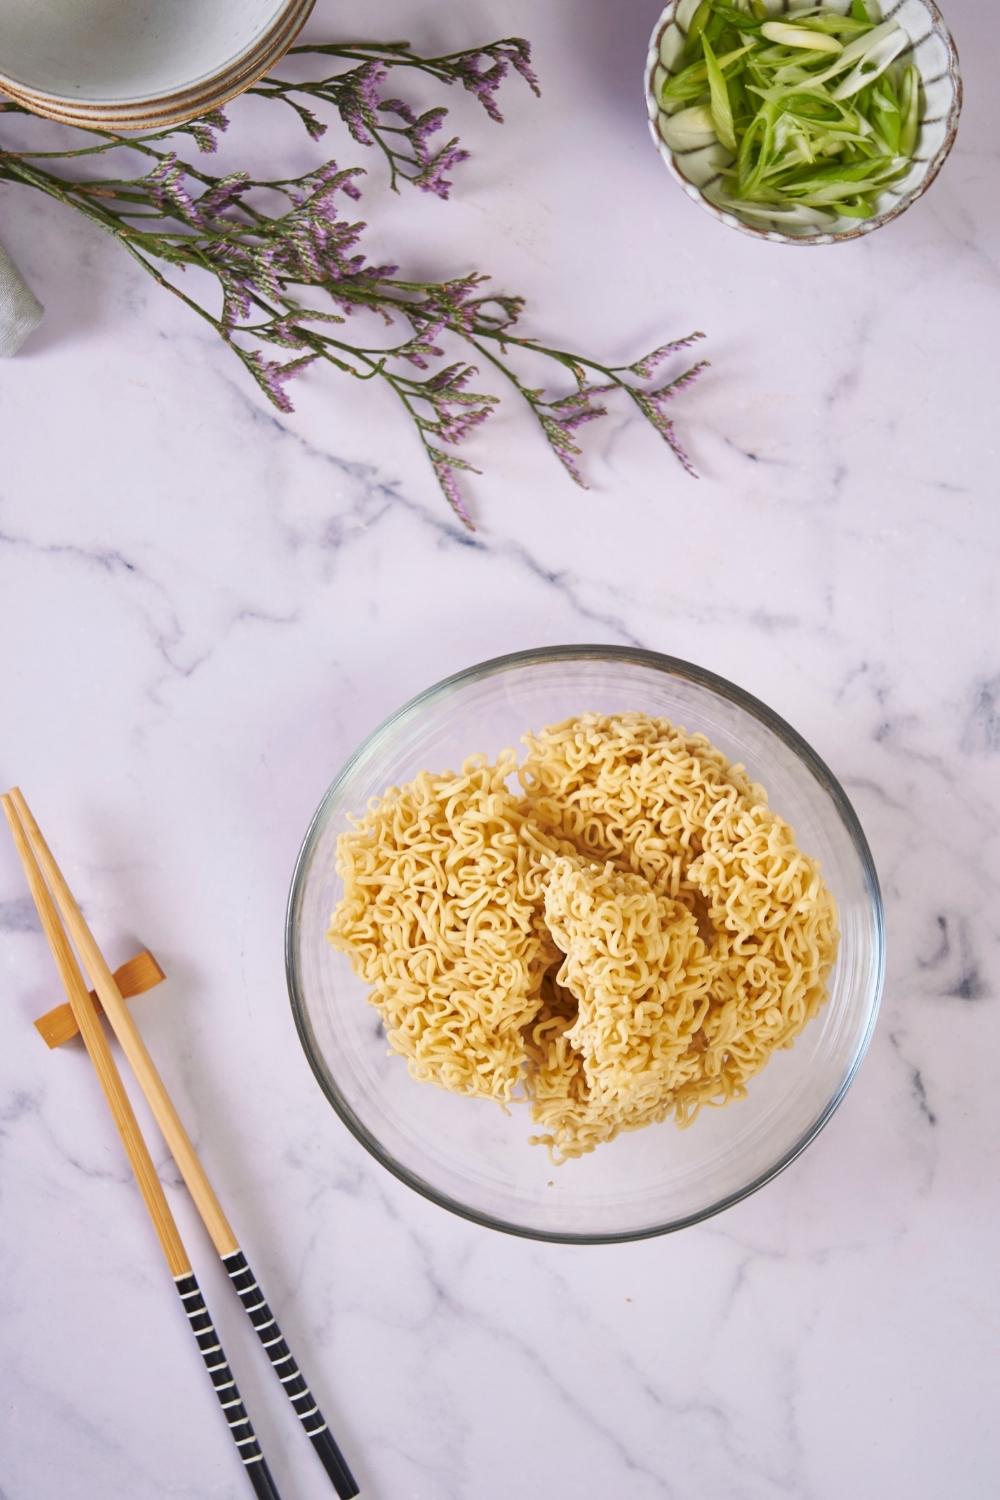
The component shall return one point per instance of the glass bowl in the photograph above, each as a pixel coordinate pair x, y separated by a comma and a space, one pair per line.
466, 1154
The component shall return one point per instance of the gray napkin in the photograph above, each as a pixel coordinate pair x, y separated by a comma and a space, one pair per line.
20, 309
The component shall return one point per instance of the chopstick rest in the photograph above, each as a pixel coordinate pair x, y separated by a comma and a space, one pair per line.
134, 977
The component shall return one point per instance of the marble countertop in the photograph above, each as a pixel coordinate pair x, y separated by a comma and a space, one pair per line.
204, 606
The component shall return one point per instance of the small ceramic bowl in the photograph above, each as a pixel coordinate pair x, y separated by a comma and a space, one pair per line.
698, 171
147, 63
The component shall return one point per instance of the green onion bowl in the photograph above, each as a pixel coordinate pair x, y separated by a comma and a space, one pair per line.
803, 123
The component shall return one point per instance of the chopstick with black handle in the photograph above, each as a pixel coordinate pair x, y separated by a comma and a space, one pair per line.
191, 1169
92, 1030
224, 1385
285, 1367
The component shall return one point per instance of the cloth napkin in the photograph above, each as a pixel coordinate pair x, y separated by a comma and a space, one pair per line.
20, 309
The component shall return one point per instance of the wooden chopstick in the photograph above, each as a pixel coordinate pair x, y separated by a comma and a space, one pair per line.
255, 1304
92, 1030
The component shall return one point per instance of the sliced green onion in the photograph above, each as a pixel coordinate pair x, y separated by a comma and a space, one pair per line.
872, 64
856, 208
696, 26
750, 169
859, 11
886, 112
739, 99
722, 112
834, 23
793, 215
825, 185
800, 36
857, 50
716, 31
692, 81
909, 110
739, 20
690, 129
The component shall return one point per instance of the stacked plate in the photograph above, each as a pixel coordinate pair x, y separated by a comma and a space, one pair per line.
139, 64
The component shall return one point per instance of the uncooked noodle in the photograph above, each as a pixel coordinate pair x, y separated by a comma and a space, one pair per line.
629, 936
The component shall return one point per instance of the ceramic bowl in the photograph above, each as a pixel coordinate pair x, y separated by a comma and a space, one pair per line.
143, 64
931, 49
184, 103
466, 1154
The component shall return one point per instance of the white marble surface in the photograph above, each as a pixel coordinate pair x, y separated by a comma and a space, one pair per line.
202, 609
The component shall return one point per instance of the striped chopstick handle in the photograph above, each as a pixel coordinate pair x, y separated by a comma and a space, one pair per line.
286, 1368
224, 1385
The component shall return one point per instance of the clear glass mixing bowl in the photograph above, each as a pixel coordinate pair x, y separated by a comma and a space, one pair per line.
466, 1154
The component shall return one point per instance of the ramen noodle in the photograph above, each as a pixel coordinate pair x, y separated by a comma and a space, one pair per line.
618, 930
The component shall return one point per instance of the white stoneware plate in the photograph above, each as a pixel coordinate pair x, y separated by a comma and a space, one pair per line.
105, 54
186, 104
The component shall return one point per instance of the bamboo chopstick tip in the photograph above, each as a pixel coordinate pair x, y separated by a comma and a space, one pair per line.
12, 801
13, 816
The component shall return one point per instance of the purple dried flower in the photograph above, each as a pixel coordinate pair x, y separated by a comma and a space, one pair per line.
580, 416
315, 129
273, 377
203, 131
204, 138
485, 81
652, 404
563, 446
368, 82
484, 84
422, 346
165, 184
432, 179
329, 178
455, 302
657, 418
645, 367
357, 99
445, 465
574, 411
519, 52
453, 427
560, 419
682, 382
417, 130
427, 125
236, 295
452, 379
401, 108
261, 266
225, 194
288, 334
